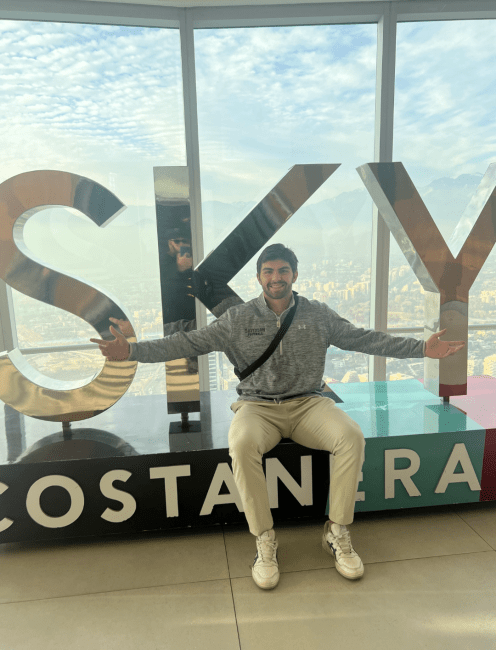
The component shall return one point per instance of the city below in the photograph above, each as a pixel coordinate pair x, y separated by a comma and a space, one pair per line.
344, 285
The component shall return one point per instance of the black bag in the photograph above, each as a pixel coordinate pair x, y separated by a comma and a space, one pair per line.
273, 345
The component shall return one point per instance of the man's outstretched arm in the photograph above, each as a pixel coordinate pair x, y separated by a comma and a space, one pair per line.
177, 346
346, 336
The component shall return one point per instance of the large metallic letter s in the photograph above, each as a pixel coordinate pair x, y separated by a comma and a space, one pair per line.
446, 279
22, 387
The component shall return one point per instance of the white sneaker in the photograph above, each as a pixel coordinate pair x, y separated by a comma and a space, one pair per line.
265, 569
336, 541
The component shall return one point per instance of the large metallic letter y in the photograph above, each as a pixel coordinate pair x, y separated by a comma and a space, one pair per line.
447, 280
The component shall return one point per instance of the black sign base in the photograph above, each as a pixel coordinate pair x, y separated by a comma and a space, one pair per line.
124, 474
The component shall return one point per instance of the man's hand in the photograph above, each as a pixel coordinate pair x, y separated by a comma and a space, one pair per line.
184, 262
116, 350
124, 325
436, 349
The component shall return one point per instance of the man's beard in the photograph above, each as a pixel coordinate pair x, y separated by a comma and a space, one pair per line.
280, 291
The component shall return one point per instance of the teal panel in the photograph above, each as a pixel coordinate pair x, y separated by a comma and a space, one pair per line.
434, 452
400, 408
385, 391
404, 416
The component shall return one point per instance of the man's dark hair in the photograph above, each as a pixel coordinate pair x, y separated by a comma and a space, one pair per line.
277, 252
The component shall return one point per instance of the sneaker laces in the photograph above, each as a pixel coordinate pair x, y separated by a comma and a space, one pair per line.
266, 550
345, 542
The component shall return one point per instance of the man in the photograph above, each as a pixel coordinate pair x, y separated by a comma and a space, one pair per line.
283, 397
176, 265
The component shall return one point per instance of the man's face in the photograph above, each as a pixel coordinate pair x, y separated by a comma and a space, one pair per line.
276, 278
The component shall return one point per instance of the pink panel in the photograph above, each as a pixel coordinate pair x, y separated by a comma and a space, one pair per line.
480, 405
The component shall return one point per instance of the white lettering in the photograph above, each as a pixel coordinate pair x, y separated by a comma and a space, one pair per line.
108, 490
33, 505
303, 493
404, 475
360, 496
170, 476
222, 475
458, 455
5, 522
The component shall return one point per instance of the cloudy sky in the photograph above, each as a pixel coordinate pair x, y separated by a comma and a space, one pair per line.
272, 97
445, 122
106, 102
100, 101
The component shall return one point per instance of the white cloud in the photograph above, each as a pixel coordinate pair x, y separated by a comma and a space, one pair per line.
93, 97
303, 94
445, 95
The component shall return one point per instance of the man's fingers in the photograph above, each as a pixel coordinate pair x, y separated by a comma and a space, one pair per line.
453, 350
124, 326
118, 321
117, 334
438, 334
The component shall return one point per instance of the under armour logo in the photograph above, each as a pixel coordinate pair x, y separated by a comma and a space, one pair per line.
302, 327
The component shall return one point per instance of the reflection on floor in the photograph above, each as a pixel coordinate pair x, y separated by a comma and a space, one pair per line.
429, 583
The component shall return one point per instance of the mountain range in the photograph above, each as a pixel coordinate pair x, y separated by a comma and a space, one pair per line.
329, 229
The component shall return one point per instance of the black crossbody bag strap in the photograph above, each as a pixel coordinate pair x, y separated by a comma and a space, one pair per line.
273, 345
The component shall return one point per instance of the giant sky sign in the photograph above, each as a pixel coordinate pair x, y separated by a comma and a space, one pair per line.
446, 279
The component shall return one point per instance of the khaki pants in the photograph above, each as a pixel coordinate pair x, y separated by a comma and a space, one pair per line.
314, 422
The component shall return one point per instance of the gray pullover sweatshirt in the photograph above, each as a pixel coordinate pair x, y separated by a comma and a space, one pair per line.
296, 368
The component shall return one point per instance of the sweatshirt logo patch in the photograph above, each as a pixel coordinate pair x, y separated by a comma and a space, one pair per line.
254, 331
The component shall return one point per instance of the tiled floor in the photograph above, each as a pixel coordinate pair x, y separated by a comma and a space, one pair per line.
429, 583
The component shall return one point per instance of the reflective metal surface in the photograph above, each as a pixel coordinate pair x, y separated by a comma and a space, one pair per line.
82, 443
209, 281
264, 220
15, 433
21, 386
176, 269
446, 279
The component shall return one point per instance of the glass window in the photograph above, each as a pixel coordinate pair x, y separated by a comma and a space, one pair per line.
273, 97
104, 102
444, 135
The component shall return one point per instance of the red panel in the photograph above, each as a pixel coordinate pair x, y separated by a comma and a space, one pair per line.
451, 391
488, 480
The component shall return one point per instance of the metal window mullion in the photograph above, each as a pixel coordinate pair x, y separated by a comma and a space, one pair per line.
383, 152
430, 10
279, 15
129, 13
418, 330
8, 333
193, 161
99, 13
49, 349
